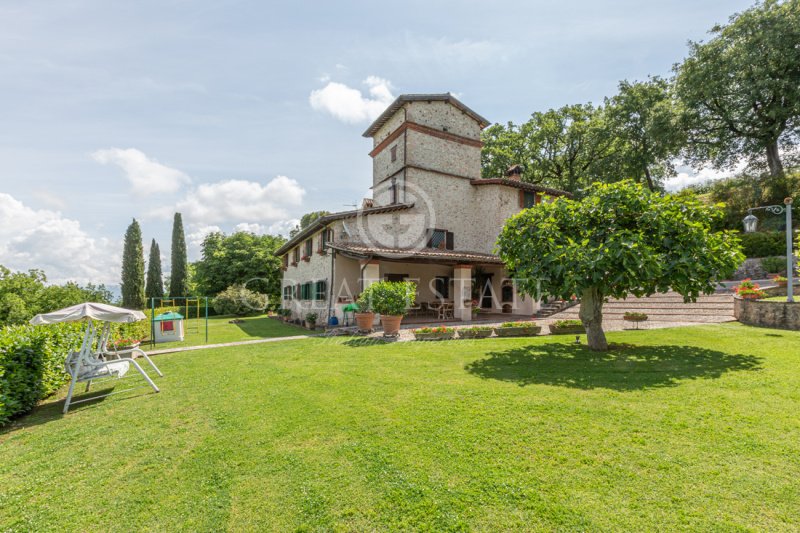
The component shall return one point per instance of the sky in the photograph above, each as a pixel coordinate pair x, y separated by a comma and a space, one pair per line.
243, 115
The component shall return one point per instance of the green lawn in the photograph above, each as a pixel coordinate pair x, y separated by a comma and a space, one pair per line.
221, 330
780, 298
688, 428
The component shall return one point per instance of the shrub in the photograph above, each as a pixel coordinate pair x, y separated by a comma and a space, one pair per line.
774, 264
529, 324
635, 317
240, 301
389, 297
763, 243
567, 323
477, 329
32, 364
435, 329
311, 318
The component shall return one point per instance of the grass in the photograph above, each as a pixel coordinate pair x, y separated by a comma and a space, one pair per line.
780, 298
686, 428
220, 330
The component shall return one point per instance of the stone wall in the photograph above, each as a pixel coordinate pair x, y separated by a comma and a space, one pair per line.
782, 315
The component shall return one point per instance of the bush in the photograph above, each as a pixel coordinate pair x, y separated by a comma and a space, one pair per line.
311, 318
32, 364
763, 243
240, 301
529, 324
567, 323
434, 329
635, 317
774, 264
389, 297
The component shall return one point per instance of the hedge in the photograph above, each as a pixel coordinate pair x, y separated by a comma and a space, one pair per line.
764, 243
32, 364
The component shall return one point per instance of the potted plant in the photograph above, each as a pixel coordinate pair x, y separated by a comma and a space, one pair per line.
749, 290
121, 345
391, 300
475, 308
565, 327
518, 329
636, 318
437, 333
365, 318
475, 332
311, 320
779, 280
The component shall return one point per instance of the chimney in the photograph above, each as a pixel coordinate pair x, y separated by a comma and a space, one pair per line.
366, 203
514, 172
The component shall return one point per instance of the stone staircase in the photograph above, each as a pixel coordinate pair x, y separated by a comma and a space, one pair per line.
665, 307
557, 306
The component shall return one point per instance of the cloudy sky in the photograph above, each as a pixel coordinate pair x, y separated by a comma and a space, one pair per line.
246, 114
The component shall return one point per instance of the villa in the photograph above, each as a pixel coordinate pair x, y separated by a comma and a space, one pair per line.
432, 219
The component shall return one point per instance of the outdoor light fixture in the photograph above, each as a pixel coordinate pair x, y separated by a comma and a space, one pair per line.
750, 222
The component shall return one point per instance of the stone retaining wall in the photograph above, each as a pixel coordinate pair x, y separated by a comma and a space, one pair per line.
781, 315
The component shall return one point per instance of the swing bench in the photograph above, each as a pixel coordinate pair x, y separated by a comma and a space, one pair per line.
95, 360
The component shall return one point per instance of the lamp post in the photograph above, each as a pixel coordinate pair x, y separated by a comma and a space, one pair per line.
750, 222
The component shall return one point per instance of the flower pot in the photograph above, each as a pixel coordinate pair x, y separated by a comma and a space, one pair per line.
311, 325
447, 335
518, 332
365, 321
750, 296
391, 324
566, 330
782, 284
481, 334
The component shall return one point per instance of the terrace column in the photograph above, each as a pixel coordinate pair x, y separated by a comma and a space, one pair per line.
462, 291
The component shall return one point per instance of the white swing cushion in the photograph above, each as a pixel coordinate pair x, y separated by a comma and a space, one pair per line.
115, 368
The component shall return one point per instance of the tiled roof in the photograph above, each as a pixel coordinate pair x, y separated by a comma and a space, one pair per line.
322, 221
403, 98
427, 254
525, 186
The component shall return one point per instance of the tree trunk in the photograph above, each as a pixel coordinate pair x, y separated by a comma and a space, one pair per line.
774, 160
649, 178
591, 314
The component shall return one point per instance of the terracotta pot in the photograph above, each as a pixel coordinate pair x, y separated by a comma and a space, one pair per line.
391, 324
365, 321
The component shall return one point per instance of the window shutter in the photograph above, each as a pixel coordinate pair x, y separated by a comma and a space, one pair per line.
522, 198
449, 243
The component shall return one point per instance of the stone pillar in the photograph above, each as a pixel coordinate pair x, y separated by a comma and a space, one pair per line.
462, 290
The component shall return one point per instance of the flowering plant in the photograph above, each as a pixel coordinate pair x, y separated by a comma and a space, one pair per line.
529, 324
748, 289
778, 278
122, 344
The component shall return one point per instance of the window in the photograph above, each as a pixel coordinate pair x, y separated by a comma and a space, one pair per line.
297, 291
305, 291
440, 239
320, 290
507, 291
393, 190
285, 261
287, 292
309, 245
296, 256
396, 277
167, 325
441, 285
527, 199
325, 237
394, 153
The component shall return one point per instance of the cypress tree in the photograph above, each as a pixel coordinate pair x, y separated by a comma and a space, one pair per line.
155, 283
178, 280
133, 268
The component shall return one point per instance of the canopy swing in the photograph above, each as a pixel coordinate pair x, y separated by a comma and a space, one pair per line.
95, 360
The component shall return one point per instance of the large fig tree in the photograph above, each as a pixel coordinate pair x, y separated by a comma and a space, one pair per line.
619, 239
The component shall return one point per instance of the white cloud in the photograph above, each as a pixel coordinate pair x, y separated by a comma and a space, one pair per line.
350, 105
194, 238
39, 238
146, 176
283, 227
237, 200
690, 177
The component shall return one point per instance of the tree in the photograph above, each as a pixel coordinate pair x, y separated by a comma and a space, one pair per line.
306, 220
240, 259
619, 239
740, 90
133, 268
155, 282
563, 148
178, 278
643, 121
